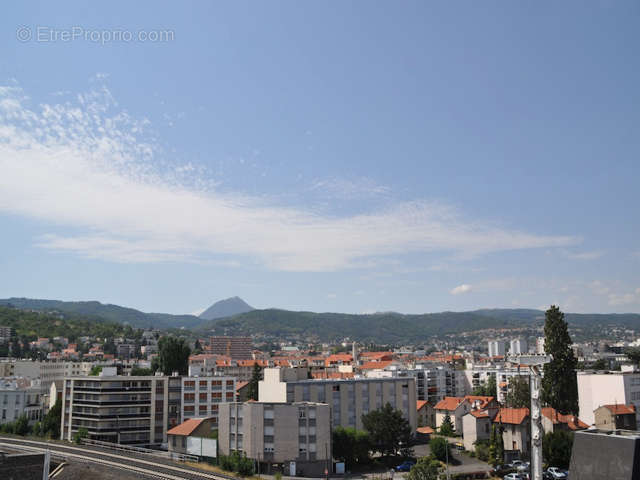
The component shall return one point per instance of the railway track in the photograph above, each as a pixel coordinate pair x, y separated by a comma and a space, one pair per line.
151, 467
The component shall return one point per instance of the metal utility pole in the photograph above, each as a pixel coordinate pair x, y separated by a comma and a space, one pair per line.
45, 467
534, 362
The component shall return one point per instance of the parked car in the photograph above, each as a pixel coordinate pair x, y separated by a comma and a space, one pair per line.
513, 476
557, 473
515, 463
405, 466
523, 467
500, 470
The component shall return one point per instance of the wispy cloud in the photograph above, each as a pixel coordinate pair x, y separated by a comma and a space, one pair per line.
350, 189
464, 288
593, 255
628, 298
99, 173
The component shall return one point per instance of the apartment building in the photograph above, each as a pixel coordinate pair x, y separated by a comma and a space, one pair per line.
10, 367
238, 348
51, 372
478, 374
201, 396
349, 399
20, 396
6, 333
282, 433
598, 388
128, 410
496, 348
434, 381
518, 346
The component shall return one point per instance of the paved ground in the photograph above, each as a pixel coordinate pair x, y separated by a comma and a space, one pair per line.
466, 463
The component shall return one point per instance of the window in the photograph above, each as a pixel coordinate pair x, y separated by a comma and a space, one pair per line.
302, 413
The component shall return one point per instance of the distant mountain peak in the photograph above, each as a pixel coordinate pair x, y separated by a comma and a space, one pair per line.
226, 308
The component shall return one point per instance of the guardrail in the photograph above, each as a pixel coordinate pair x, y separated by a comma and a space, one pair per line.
180, 457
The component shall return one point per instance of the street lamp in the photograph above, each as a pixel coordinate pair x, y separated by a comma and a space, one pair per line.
534, 362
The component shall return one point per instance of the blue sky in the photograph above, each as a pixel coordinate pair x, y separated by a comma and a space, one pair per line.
328, 156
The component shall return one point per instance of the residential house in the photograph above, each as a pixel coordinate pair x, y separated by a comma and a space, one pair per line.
426, 414
455, 407
194, 427
615, 417
514, 423
476, 425
553, 421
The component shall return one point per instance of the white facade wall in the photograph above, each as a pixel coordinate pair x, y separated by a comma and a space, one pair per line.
597, 389
496, 348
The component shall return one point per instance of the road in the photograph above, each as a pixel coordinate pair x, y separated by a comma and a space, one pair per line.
153, 467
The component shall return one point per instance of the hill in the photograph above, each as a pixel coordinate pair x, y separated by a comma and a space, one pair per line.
99, 311
395, 328
31, 325
226, 308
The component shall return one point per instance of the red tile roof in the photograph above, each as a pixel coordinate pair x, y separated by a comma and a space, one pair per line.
186, 428
420, 404
573, 422
449, 403
621, 409
375, 365
480, 413
482, 401
513, 416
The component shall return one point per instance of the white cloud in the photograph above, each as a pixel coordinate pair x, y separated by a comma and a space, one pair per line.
464, 288
350, 189
594, 255
100, 175
629, 298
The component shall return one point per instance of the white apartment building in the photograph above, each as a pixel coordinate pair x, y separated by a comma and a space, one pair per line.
283, 433
56, 371
20, 396
606, 388
479, 375
540, 345
201, 396
496, 348
518, 346
434, 381
349, 398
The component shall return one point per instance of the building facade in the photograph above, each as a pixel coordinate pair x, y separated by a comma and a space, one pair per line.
279, 433
19, 396
496, 348
349, 399
596, 389
127, 410
201, 396
238, 348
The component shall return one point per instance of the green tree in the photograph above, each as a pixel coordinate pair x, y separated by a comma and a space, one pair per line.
95, 370
492, 389
51, 421
482, 450
440, 448
519, 394
496, 446
388, 430
173, 355
446, 428
197, 348
559, 383
256, 376
80, 434
350, 445
425, 469
137, 371
21, 425
633, 354
556, 448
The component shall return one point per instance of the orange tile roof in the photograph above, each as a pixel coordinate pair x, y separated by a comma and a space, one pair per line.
621, 409
449, 403
186, 428
375, 365
479, 413
240, 385
420, 404
573, 422
513, 416
482, 400
425, 430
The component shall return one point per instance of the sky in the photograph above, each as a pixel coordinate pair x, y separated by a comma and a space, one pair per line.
354, 156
